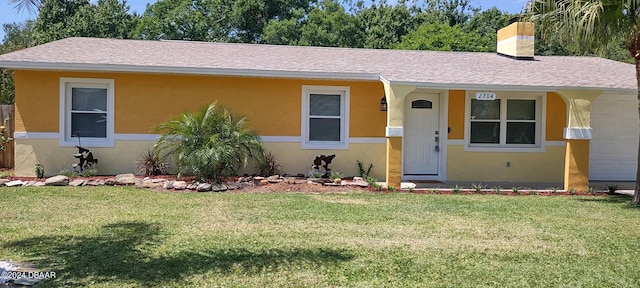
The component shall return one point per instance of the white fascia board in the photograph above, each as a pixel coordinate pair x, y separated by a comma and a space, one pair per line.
189, 70
457, 86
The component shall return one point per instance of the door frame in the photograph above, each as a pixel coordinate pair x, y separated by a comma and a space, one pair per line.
443, 98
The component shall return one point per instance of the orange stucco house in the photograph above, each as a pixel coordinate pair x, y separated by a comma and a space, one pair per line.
450, 116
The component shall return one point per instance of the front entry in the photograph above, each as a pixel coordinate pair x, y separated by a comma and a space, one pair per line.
422, 137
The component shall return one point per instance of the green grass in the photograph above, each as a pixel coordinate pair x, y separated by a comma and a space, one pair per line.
126, 237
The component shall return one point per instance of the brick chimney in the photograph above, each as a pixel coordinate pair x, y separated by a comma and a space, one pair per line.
517, 41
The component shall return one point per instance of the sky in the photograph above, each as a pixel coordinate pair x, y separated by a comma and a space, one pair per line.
8, 14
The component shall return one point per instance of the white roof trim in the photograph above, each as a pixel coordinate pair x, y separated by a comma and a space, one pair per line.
454, 86
189, 70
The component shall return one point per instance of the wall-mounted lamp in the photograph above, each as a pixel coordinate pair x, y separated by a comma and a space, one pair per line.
383, 103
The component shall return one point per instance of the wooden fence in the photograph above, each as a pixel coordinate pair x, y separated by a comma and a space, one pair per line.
6, 156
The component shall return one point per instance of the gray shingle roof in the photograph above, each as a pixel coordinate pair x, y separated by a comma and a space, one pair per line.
462, 70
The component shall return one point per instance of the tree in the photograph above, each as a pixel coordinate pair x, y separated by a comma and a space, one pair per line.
384, 25
195, 20
209, 143
594, 24
249, 17
329, 24
17, 36
441, 37
106, 19
284, 31
58, 19
448, 12
487, 23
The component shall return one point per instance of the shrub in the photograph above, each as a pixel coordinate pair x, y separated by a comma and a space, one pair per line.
478, 187
268, 165
89, 172
612, 188
150, 164
210, 143
364, 173
335, 174
39, 169
457, 189
68, 172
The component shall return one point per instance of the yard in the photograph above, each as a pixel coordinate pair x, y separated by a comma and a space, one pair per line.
123, 237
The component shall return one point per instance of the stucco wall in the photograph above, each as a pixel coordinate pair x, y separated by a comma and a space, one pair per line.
541, 166
142, 101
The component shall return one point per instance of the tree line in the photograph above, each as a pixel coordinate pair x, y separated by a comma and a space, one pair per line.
443, 25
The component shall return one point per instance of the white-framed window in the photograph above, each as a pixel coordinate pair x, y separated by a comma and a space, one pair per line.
325, 117
511, 122
86, 110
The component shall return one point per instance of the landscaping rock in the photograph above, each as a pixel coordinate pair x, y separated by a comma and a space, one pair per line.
274, 180
59, 180
192, 186
30, 183
4, 181
203, 187
359, 183
168, 184
273, 177
110, 182
39, 184
358, 179
77, 182
125, 179
245, 184
232, 186
218, 188
151, 184
96, 182
15, 183
179, 185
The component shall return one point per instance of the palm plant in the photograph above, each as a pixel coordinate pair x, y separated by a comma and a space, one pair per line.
30, 5
592, 24
209, 143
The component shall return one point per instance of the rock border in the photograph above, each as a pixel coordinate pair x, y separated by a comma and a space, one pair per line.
130, 179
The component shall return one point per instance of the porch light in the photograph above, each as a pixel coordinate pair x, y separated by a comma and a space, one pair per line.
383, 103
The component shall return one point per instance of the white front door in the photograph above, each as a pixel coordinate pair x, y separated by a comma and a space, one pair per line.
422, 137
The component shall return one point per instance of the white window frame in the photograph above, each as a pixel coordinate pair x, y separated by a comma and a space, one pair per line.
344, 92
503, 146
66, 84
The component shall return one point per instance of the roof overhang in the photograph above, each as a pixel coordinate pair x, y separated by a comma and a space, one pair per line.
497, 87
120, 68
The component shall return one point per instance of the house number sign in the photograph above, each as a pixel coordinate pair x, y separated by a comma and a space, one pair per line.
485, 96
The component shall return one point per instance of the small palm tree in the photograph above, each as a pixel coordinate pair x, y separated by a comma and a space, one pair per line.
593, 24
210, 143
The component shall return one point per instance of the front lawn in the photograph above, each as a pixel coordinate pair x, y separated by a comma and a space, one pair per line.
124, 237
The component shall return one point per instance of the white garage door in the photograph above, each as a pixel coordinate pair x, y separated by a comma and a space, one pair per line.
614, 147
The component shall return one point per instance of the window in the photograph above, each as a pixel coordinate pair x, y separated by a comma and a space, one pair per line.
86, 110
324, 117
421, 104
510, 121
